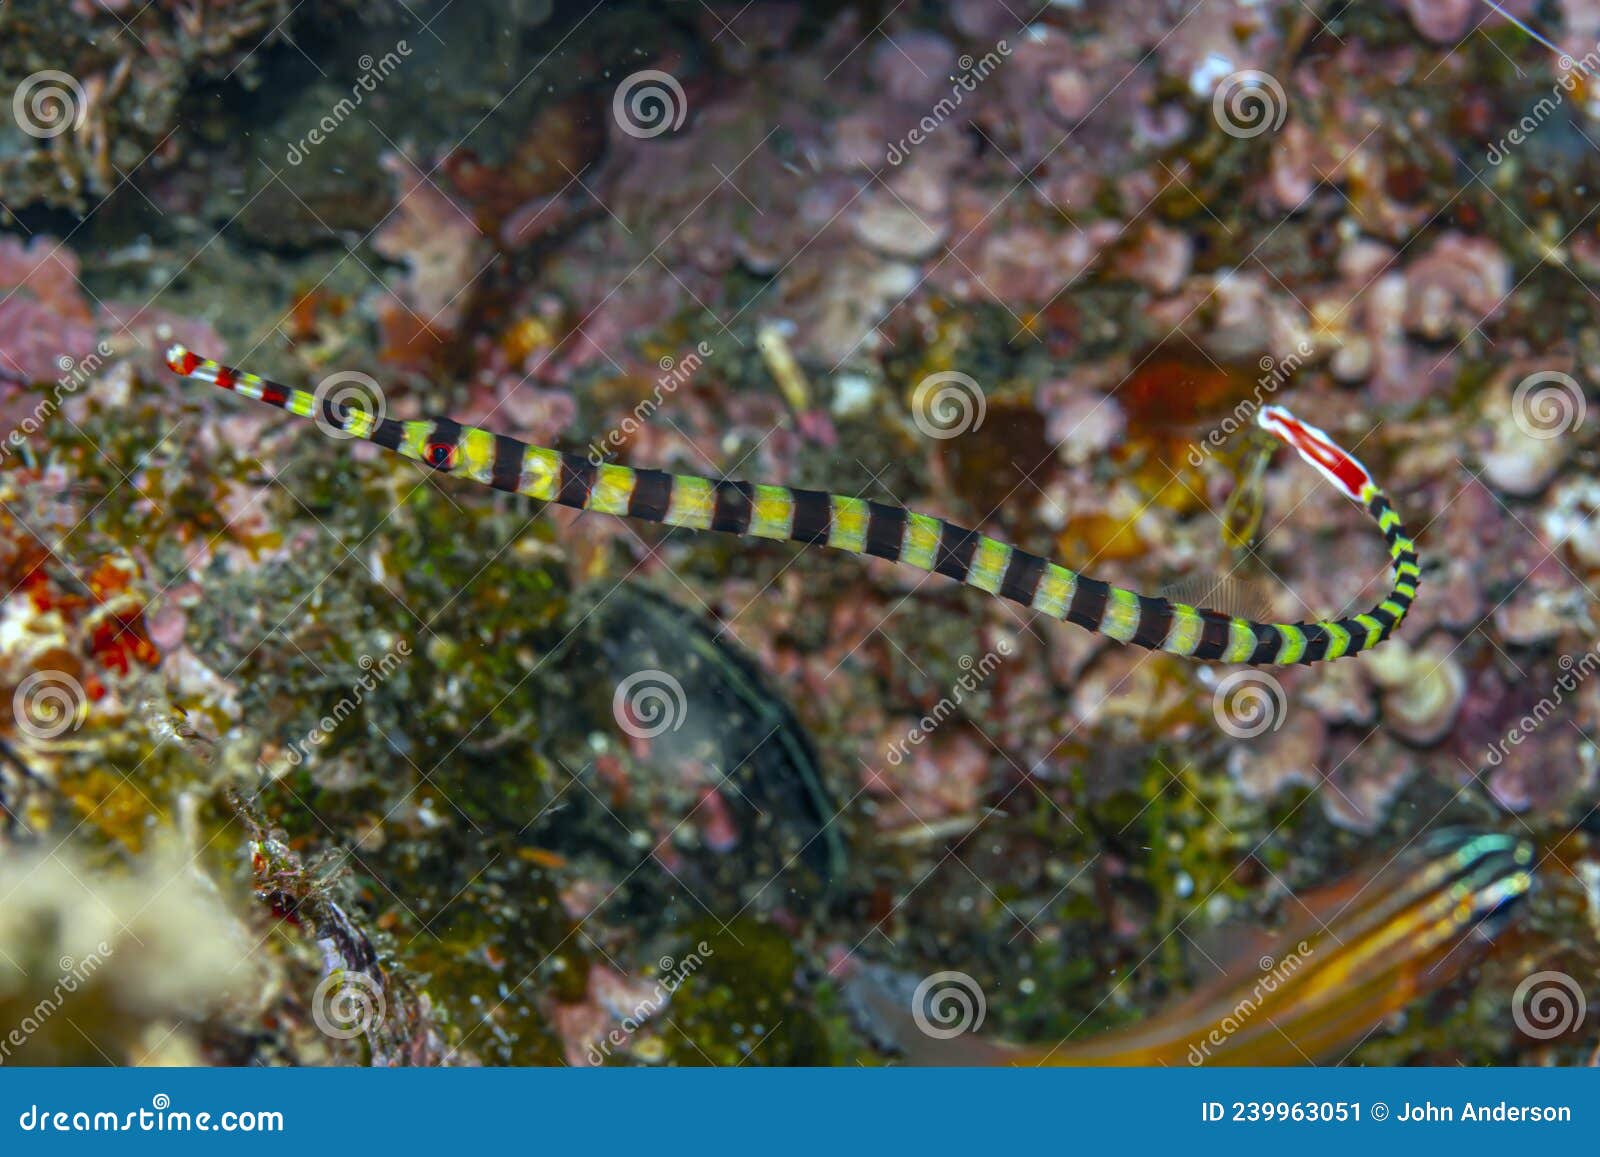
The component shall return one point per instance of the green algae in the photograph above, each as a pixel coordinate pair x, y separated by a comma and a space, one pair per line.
742, 1005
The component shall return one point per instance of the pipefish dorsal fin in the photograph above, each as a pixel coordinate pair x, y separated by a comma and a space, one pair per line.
1236, 596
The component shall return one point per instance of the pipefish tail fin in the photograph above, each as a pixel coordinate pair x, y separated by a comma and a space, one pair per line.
857, 526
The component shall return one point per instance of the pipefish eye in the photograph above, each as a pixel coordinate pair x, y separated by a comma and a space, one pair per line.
439, 455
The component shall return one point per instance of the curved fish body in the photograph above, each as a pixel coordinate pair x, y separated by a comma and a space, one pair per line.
863, 527
1355, 953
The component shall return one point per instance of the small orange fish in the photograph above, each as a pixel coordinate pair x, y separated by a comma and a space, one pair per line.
543, 857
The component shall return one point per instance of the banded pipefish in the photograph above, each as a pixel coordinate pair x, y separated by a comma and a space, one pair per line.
859, 526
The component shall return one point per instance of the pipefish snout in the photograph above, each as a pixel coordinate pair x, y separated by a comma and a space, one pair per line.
863, 527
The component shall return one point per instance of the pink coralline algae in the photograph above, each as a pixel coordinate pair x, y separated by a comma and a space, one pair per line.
1446, 22
443, 251
44, 317
1442, 21
938, 780
1458, 284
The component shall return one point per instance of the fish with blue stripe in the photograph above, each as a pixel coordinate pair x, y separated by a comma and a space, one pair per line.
1350, 955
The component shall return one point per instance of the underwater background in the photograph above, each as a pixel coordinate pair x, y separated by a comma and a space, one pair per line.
311, 755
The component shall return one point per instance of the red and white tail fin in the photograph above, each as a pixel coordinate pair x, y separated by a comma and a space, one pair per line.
1335, 464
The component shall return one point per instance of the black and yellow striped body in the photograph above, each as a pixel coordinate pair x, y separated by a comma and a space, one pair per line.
856, 526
